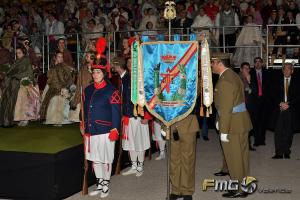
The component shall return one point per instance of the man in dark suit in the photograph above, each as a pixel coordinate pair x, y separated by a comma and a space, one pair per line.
259, 80
286, 98
183, 22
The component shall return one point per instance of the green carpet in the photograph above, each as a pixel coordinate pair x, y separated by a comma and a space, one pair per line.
38, 138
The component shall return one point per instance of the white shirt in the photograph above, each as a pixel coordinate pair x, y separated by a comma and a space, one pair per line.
55, 28
236, 18
284, 82
104, 16
298, 20
202, 21
123, 74
94, 33
259, 71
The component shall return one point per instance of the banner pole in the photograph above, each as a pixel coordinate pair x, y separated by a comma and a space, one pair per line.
169, 29
168, 161
169, 142
169, 14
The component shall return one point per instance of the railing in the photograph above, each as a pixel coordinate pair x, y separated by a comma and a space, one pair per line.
269, 27
114, 41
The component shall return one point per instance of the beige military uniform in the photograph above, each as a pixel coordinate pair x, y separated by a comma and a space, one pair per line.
228, 95
183, 156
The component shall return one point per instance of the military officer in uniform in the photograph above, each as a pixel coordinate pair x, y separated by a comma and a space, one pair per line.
183, 157
102, 111
233, 122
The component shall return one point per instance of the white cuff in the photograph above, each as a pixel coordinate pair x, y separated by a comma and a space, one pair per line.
223, 137
217, 125
163, 133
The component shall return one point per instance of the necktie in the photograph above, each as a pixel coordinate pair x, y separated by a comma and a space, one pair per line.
259, 85
286, 88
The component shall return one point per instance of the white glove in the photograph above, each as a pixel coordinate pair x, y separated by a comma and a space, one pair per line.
223, 137
217, 125
163, 133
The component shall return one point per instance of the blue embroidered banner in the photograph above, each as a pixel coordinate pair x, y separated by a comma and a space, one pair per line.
170, 72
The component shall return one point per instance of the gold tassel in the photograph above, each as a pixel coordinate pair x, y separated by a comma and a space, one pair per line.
168, 133
140, 111
201, 111
135, 111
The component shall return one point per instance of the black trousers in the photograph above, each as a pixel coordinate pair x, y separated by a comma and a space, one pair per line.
279, 41
259, 120
230, 40
283, 133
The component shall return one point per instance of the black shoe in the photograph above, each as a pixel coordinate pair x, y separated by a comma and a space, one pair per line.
256, 144
251, 148
174, 196
205, 138
235, 195
187, 197
220, 173
198, 134
277, 156
286, 156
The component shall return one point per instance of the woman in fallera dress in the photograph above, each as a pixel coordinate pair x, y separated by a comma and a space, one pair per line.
20, 72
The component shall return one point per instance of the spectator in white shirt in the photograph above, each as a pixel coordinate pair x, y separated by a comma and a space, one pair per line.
298, 20
101, 18
202, 20
37, 19
148, 16
93, 30
71, 6
54, 29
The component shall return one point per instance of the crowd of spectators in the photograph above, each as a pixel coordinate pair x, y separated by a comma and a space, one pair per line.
28, 92
93, 19
73, 26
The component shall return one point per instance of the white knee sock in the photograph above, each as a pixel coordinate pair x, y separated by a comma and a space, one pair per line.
133, 156
98, 169
141, 156
106, 167
162, 145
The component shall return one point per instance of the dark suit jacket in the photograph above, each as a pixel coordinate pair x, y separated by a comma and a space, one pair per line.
127, 104
283, 21
293, 98
186, 24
